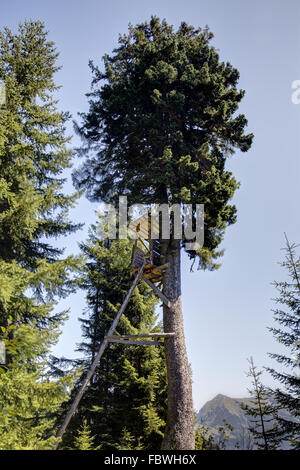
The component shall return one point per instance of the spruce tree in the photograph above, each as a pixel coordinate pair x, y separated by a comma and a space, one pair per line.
128, 442
126, 399
33, 150
29, 399
262, 410
162, 121
33, 209
287, 316
84, 439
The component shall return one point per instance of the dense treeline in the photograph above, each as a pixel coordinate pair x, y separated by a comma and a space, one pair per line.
125, 406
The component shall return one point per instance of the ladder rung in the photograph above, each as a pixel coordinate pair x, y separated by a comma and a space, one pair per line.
134, 343
141, 335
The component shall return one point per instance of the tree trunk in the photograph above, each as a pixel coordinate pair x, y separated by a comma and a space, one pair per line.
179, 432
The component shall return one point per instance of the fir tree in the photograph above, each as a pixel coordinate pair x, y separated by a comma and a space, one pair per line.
33, 155
128, 389
287, 315
159, 130
33, 149
127, 442
263, 428
33, 209
84, 439
29, 400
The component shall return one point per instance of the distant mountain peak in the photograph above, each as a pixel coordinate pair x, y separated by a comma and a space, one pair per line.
220, 396
223, 409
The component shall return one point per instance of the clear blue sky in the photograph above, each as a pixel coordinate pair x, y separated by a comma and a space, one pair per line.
226, 312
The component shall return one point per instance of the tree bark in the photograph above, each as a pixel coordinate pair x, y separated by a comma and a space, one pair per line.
179, 432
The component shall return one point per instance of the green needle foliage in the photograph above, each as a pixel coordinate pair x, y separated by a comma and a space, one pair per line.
287, 316
262, 410
33, 149
128, 442
162, 121
29, 400
204, 439
84, 439
33, 209
125, 404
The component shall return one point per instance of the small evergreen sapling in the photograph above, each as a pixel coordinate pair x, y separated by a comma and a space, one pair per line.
287, 316
262, 411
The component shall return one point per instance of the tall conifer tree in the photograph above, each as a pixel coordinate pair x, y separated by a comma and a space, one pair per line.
162, 121
33, 149
33, 209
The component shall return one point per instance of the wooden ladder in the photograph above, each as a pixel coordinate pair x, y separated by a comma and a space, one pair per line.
123, 339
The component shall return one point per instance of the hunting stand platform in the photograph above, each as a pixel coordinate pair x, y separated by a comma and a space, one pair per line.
147, 252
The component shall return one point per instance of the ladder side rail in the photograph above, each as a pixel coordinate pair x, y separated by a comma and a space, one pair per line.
102, 348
